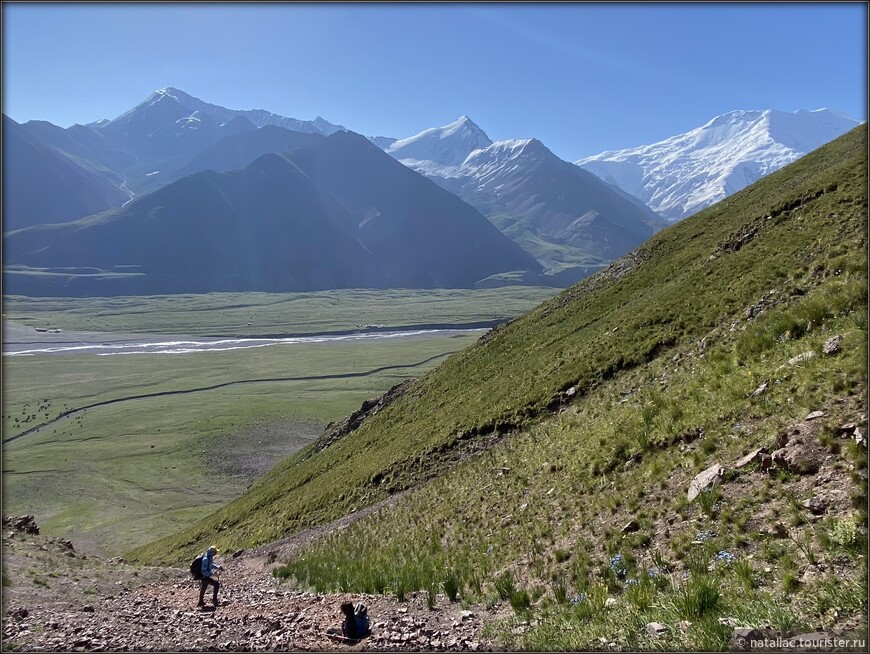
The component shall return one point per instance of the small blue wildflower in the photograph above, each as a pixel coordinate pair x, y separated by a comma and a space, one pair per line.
653, 572
617, 564
725, 557
704, 535
577, 599
630, 582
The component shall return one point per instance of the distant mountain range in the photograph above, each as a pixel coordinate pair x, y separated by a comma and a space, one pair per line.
571, 221
549, 221
688, 172
180, 102
164, 136
339, 215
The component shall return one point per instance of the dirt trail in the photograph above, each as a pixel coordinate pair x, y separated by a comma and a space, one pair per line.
60, 600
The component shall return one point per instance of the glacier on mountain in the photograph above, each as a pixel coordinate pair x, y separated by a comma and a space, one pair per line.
445, 146
570, 220
681, 175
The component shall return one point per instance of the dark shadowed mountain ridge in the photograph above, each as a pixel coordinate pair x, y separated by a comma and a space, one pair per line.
85, 145
41, 185
268, 227
238, 150
340, 215
408, 220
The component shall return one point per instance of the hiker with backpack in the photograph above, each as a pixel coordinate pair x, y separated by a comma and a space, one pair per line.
207, 567
356, 623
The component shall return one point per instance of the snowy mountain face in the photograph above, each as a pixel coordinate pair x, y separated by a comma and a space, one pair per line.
681, 175
490, 163
562, 214
177, 101
170, 128
486, 173
445, 146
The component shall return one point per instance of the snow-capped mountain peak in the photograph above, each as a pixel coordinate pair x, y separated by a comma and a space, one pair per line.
685, 173
448, 145
182, 105
563, 214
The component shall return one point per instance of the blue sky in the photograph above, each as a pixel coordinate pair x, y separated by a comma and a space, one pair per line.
580, 77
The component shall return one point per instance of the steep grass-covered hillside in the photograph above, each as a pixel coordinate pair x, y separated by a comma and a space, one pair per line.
558, 450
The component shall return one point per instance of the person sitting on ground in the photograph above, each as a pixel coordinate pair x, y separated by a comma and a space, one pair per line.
355, 625
209, 565
349, 626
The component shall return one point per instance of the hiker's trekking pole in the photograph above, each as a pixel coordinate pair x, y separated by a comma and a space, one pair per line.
221, 581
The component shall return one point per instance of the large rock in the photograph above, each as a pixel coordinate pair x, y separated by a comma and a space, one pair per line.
816, 505
25, 523
800, 451
832, 345
705, 479
655, 628
759, 455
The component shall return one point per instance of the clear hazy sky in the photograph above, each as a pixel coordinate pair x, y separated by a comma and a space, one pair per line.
580, 77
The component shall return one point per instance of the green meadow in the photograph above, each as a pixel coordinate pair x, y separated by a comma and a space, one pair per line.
124, 473
275, 313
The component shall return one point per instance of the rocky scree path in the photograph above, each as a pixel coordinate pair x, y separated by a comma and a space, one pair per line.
55, 599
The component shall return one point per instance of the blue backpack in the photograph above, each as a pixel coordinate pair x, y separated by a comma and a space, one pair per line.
361, 618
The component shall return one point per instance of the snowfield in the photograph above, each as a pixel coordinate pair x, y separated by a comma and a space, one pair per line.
683, 174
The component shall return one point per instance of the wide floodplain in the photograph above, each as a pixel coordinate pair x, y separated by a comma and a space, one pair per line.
116, 451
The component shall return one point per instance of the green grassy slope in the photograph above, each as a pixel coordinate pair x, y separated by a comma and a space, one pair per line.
557, 256
539, 520
791, 233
